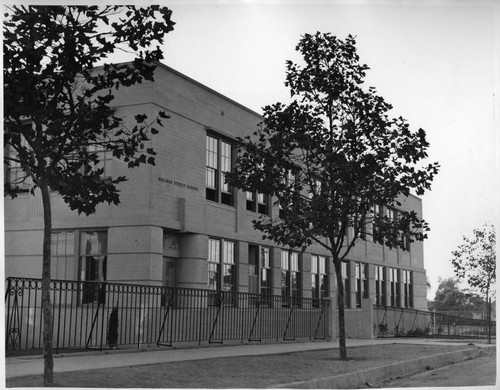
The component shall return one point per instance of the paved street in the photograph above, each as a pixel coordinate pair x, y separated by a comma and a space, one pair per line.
477, 372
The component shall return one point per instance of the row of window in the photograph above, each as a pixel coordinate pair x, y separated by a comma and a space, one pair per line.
16, 177
222, 276
222, 270
219, 160
393, 287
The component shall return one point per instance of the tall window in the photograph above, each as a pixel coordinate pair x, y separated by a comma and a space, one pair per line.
361, 286
221, 265
380, 299
394, 287
363, 228
14, 176
285, 273
290, 276
265, 272
104, 156
213, 264
229, 267
92, 265
258, 202
62, 250
377, 214
407, 280
390, 214
405, 241
347, 284
259, 270
290, 180
219, 162
319, 277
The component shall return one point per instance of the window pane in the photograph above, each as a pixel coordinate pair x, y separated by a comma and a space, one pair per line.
253, 255
211, 178
62, 255
62, 243
284, 260
213, 276
225, 164
229, 277
265, 257
213, 264
211, 152
253, 269
228, 252
344, 270
214, 251
294, 261
94, 243
314, 264
295, 283
265, 278
322, 265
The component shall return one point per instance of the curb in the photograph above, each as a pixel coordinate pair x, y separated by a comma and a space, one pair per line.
380, 374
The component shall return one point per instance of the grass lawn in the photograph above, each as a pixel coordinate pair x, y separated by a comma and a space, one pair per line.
243, 372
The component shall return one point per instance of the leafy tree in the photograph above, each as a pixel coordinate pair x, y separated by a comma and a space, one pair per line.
451, 299
58, 117
475, 262
330, 155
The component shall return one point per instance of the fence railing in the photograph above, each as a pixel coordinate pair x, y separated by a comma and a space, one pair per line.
107, 315
394, 322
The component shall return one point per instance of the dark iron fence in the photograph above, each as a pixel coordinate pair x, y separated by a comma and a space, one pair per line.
107, 315
394, 322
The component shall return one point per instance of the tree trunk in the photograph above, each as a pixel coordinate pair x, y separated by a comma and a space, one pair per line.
340, 304
48, 359
488, 315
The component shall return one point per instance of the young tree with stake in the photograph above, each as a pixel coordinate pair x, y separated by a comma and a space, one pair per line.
58, 114
332, 154
475, 262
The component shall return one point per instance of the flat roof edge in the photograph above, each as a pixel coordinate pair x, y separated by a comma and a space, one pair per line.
193, 81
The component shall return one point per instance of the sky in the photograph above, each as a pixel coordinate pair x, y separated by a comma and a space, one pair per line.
436, 62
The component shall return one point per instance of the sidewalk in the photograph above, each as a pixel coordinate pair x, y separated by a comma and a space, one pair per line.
33, 365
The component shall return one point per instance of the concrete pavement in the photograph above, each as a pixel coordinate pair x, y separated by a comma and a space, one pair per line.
33, 365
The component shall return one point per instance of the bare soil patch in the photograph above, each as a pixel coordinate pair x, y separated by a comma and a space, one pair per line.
241, 372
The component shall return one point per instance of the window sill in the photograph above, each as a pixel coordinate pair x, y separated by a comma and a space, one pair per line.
220, 205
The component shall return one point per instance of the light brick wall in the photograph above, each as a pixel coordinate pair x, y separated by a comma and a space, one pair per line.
170, 196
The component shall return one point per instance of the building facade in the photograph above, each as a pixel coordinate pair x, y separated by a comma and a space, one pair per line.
179, 225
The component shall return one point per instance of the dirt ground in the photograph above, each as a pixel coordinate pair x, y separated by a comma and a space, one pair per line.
240, 372
476, 372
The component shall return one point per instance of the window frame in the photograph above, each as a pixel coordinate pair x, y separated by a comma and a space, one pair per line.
57, 258
346, 276
407, 284
291, 178
319, 276
380, 286
13, 170
218, 163
361, 282
258, 202
291, 277
262, 270
92, 294
222, 258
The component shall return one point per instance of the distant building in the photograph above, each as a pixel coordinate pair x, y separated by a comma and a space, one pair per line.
179, 225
